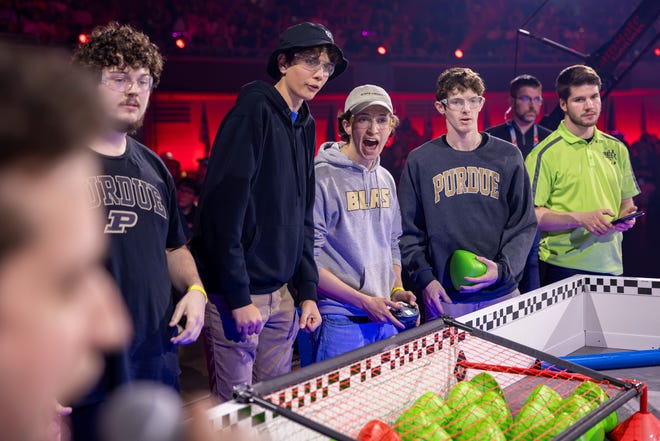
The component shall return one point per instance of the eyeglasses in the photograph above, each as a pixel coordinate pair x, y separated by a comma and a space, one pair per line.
121, 82
528, 99
459, 103
363, 121
313, 64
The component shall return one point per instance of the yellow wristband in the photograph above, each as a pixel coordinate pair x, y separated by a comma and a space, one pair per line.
396, 289
200, 289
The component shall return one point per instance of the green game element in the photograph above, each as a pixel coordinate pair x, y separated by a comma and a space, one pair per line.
464, 263
547, 396
496, 408
486, 382
473, 423
577, 405
434, 406
596, 433
461, 395
416, 423
610, 422
594, 393
533, 422
561, 422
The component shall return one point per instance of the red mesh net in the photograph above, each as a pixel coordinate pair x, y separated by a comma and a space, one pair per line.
449, 384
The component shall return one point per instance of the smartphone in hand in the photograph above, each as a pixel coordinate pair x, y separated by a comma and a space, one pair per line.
628, 217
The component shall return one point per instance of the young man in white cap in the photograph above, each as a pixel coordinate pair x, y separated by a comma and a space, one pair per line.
357, 225
254, 233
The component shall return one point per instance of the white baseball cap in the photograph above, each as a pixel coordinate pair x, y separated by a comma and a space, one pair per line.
367, 95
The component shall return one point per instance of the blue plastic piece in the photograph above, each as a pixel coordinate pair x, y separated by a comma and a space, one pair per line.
612, 360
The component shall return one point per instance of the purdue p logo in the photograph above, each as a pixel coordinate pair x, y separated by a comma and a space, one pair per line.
119, 220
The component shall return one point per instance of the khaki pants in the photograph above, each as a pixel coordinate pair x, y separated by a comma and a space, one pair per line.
232, 361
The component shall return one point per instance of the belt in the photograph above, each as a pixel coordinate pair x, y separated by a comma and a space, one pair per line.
359, 318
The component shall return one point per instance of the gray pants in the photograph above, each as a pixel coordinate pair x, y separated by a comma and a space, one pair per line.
231, 360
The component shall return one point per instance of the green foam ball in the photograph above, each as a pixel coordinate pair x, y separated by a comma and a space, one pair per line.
464, 263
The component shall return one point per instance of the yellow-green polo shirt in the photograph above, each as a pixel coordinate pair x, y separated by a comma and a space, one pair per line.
568, 175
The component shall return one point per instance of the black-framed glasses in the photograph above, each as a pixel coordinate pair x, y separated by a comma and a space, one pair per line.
312, 63
528, 99
460, 103
122, 82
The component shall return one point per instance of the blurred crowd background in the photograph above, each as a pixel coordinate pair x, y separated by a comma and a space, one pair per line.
417, 30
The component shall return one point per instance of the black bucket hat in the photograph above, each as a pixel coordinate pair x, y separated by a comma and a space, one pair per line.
301, 36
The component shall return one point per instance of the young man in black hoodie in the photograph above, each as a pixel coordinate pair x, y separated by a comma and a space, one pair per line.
254, 234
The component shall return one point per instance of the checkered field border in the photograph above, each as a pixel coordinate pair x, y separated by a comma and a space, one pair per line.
622, 285
338, 380
549, 297
524, 307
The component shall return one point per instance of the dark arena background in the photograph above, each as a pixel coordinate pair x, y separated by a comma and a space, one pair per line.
213, 47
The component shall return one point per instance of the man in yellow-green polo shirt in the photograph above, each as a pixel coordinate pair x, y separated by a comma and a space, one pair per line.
581, 180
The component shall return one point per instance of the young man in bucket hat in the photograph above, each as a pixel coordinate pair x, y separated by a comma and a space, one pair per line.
254, 232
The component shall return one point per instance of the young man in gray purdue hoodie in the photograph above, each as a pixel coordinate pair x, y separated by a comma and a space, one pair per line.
465, 190
357, 225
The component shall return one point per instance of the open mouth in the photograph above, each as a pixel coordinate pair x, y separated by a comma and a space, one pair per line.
370, 143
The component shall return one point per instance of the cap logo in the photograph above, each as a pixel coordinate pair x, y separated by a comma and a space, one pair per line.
329, 34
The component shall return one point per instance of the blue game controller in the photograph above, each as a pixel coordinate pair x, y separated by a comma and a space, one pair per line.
407, 315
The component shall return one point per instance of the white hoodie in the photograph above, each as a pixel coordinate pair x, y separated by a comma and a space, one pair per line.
357, 225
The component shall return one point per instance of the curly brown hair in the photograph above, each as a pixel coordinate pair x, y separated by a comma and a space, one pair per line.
121, 46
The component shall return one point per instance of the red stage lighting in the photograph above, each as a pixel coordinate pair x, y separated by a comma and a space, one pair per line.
382, 50
656, 51
83, 38
180, 43
458, 53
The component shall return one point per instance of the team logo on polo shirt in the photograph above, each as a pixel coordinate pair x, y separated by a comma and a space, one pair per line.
610, 155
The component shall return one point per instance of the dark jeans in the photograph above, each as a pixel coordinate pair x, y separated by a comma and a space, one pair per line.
553, 273
530, 278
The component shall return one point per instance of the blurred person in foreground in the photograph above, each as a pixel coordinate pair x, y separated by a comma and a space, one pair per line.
59, 310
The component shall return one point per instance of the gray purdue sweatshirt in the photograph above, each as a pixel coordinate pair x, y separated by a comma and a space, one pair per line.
357, 225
